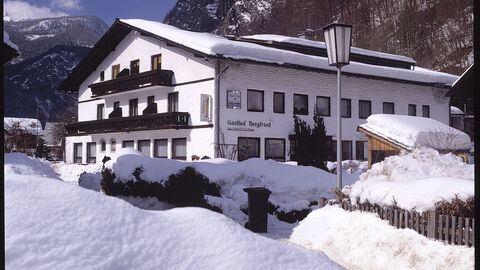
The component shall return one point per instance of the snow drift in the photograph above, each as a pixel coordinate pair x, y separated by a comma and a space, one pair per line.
360, 240
54, 224
414, 180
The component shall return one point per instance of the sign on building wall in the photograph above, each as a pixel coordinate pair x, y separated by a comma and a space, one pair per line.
234, 99
205, 107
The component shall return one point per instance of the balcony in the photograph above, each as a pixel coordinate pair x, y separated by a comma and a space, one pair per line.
132, 82
170, 120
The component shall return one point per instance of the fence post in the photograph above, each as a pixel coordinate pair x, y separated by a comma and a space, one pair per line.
440, 228
460, 231
467, 230
417, 222
322, 202
432, 225
447, 229
454, 233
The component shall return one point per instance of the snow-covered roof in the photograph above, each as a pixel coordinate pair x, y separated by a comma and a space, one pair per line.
213, 45
412, 131
455, 110
321, 45
29, 125
6, 39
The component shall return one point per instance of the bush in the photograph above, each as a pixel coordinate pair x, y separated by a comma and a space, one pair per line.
185, 188
457, 207
188, 188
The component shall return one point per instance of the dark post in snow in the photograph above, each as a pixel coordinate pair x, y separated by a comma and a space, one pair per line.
338, 39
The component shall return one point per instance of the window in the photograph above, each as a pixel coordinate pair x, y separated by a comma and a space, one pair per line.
103, 146
323, 106
100, 111
248, 148
364, 109
156, 62
160, 148
388, 108
179, 148
91, 152
346, 150
275, 149
133, 107
300, 104
150, 100
127, 144
346, 108
278, 102
412, 109
361, 148
425, 111
135, 66
115, 71
144, 147
254, 101
116, 105
102, 76
113, 146
173, 102
77, 152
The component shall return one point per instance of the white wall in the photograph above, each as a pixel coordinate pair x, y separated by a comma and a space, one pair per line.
185, 65
276, 79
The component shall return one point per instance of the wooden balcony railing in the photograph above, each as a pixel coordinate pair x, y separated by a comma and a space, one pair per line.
170, 120
131, 82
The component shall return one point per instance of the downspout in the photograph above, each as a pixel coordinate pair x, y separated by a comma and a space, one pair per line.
218, 75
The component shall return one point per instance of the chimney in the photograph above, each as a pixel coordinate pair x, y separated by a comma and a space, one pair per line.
307, 34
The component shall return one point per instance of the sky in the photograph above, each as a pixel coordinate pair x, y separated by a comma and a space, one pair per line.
107, 10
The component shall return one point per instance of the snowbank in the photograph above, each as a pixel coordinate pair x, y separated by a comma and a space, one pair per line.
21, 164
359, 240
54, 224
415, 180
413, 131
293, 187
72, 172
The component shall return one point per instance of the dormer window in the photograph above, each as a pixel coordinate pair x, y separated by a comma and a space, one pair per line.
115, 71
156, 62
135, 66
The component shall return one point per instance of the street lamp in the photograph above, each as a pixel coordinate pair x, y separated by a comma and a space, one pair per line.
338, 39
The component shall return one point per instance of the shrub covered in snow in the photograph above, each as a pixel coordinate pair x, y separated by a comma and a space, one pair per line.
185, 188
414, 180
293, 187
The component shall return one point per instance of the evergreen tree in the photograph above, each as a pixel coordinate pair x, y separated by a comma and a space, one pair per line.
313, 147
42, 151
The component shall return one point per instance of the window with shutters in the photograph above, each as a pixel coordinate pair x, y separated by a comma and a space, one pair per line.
115, 71
135, 66
156, 62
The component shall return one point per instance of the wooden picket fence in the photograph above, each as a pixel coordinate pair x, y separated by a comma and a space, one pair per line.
448, 229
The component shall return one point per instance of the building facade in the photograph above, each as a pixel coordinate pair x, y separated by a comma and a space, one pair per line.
170, 93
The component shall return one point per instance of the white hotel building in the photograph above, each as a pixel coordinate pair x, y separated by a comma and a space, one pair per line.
172, 93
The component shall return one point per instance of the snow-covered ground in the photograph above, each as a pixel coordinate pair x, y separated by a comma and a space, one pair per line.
414, 180
359, 240
52, 224
55, 223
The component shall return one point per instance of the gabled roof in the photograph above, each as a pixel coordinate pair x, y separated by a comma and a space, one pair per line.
213, 46
464, 86
29, 125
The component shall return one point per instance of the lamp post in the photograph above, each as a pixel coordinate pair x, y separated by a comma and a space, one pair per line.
338, 39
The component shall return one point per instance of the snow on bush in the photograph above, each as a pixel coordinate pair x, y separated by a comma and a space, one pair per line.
54, 224
414, 180
359, 240
293, 187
